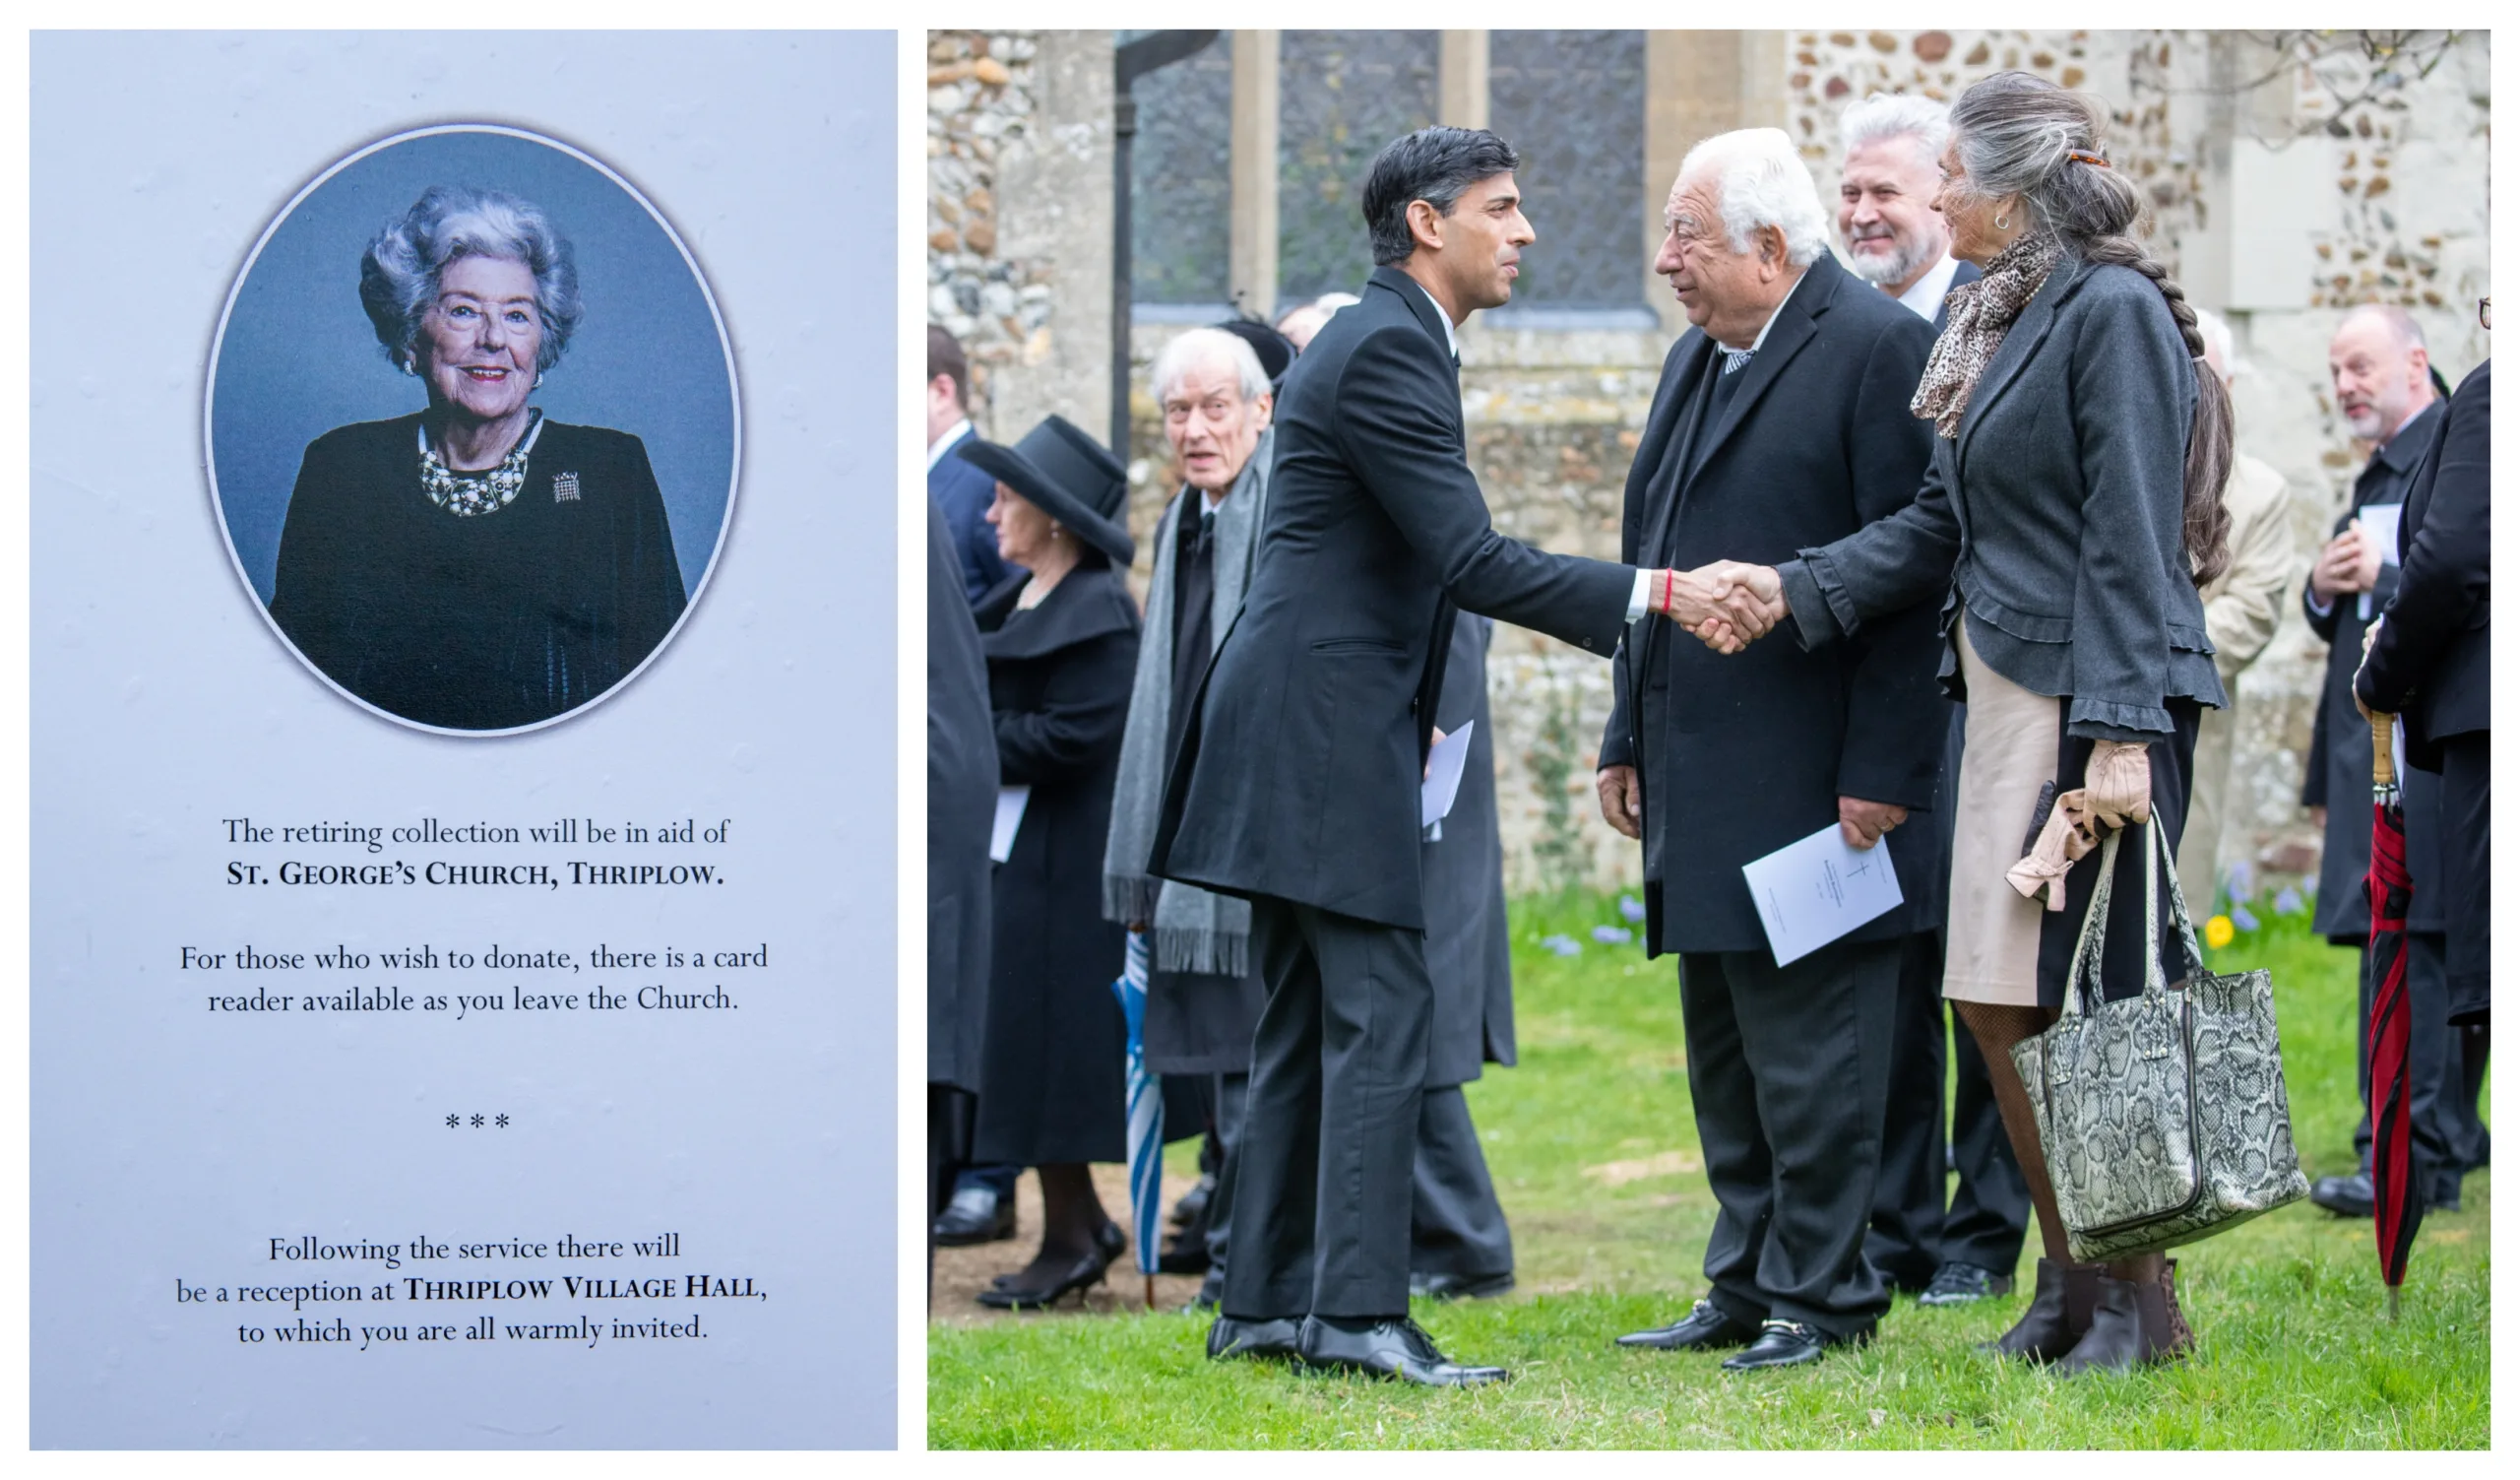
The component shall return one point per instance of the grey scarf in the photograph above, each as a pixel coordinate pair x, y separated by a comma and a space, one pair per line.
1194, 930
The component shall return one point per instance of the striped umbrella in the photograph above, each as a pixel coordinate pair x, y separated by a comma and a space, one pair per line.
1146, 1117
2397, 1179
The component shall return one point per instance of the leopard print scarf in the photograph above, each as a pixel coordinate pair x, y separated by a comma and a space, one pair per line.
1981, 312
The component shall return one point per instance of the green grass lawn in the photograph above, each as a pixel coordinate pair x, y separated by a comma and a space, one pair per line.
1595, 1160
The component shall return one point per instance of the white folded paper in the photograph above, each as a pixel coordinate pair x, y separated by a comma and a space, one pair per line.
1435, 795
1811, 892
2380, 521
1010, 816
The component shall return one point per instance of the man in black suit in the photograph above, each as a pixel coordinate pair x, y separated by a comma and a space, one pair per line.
2387, 392
1298, 785
1781, 424
2432, 664
1898, 242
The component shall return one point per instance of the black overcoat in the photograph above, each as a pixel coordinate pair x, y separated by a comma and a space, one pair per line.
1469, 955
1053, 1081
1297, 779
962, 797
486, 621
2340, 765
2434, 660
1740, 755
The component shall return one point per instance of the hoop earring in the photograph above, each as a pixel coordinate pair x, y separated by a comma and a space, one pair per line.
538, 380
2003, 222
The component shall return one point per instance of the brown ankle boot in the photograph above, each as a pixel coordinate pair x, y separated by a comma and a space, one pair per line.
2130, 1327
2060, 1312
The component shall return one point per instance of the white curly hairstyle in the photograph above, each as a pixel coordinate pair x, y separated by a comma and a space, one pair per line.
398, 279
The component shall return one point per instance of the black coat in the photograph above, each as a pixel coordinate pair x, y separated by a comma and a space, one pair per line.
962, 797
489, 621
1299, 777
1469, 955
2340, 765
1740, 755
1054, 1083
2432, 662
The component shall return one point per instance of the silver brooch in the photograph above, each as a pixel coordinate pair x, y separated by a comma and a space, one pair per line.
565, 488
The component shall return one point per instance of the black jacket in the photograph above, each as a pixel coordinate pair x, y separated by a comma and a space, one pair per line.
962, 797
1052, 1087
488, 622
2054, 519
1299, 778
2432, 661
1741, 756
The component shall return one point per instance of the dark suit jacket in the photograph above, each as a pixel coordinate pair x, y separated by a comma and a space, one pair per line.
1962, 275
962, 801
2432, 661
2055, 518
1299, 778
963, 491
1741, 756
483, 621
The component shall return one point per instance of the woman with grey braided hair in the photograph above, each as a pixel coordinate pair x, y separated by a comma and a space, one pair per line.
472, 566
2070, 513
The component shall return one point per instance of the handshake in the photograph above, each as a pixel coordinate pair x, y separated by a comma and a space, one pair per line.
1726, 604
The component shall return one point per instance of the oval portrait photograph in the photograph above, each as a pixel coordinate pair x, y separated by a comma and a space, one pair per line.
472, 428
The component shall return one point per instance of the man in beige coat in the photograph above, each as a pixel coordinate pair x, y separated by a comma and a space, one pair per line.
2241, 608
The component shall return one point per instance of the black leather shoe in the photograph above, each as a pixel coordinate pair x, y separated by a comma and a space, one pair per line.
1460, 1286
977, 1215
1392, 1348
1211, 1296
1959, 1283
1265, 1338
1704, 1328
1193, 1206
1781, 1343
1084, 1273
2345, 1196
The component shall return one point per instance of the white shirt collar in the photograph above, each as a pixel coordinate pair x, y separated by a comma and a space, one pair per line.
1924, 296
937, 449
1208, 501
1772, 313
1443, 318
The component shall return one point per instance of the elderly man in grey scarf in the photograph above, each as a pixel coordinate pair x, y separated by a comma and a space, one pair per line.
1204, 991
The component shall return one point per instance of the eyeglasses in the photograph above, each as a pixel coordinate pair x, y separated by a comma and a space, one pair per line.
2484, 313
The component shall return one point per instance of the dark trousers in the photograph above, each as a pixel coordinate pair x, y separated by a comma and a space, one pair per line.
1789, 1072
997, 1177
1338, 1068
1911, 1235
1226, 1098
1455, 1225
2434, 1062
2467, 872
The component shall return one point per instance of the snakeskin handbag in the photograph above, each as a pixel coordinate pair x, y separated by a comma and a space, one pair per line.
2164, 1116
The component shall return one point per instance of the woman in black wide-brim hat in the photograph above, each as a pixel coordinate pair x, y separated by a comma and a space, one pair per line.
1061, 640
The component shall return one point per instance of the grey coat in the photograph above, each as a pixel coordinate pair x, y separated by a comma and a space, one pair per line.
2053, 518
1469, 956
962, 800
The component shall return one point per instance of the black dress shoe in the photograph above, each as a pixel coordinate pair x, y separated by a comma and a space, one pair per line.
977, 1215
1193, 1206
1460, 1286
1263, 1338
1958, 1283
1704, 1328
2345, 1196
1389, 1348
1086, 1272
1781, 1343
1211, 1296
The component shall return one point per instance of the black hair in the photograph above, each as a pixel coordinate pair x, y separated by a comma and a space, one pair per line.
1436, 165
945, 358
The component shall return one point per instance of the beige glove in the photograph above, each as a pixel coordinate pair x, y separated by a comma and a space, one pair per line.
2065, 839
2117, 784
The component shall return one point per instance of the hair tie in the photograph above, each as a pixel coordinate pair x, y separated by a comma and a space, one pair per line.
2084, 157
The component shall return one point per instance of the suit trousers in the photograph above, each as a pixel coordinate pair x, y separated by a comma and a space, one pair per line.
1227, 1098
1913, 1235
1455, 1225
1789, 1074
1338, 1068
2434, 1062
2467, 872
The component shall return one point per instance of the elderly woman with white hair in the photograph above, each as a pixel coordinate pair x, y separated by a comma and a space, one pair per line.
472, 565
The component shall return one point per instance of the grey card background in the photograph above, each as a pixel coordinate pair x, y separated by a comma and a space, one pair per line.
299, 357
169, 1143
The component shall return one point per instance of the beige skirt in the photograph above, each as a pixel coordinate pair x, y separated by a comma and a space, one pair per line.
1991, 951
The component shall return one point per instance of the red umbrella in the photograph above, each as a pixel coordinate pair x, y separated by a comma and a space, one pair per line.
2397, 1188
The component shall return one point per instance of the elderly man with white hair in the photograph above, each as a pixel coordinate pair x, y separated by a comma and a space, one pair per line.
1781, 425
1203, 989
